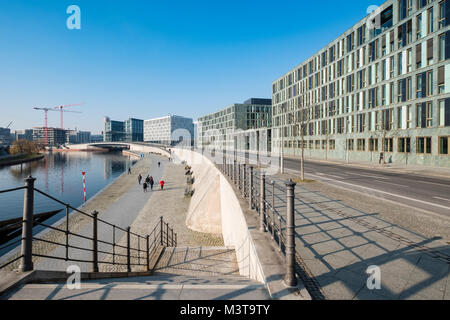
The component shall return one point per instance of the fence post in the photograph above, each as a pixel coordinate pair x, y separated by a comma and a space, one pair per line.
262, 203
176, 241
290, 279
128, 250
167, 234
148, 252
250, 188
95, 242
162, 230
244, 179
234, 171
27, 226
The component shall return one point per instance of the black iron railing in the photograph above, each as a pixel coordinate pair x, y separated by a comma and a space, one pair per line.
137, 251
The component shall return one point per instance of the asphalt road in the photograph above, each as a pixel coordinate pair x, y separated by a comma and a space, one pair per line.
428, 193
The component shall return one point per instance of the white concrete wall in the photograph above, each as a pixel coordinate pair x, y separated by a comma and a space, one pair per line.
233, 225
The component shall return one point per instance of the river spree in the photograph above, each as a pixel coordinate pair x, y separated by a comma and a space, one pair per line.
60, 175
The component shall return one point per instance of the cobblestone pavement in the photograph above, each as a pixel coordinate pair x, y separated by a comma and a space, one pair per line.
337, 242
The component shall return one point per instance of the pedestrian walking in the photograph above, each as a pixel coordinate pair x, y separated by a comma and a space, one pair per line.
151, 182
161, 183
145, 186
139, 179
129, 170
381, 157
159, 164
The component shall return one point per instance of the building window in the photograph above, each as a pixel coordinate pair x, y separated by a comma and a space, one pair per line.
419, 26
423, 145
388, 144
404, 145
373, 144
443, 145
361, 145
317, 144
441, 21
350, 144
430, 20
441, 79
442, 47
332, 145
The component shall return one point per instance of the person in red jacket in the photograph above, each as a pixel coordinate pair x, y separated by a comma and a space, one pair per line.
161, 183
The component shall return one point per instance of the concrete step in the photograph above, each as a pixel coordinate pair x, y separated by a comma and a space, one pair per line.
160, 286
199, 261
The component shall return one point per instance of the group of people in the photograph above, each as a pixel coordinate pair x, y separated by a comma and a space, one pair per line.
149, 182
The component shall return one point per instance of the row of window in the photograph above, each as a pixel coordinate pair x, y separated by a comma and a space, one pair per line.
423, 145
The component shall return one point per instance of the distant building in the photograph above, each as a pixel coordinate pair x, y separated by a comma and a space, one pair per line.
5, 137
26, 134
161, 130
76, 137
55, 136
245, 126
96, 138
130, 130
134, 130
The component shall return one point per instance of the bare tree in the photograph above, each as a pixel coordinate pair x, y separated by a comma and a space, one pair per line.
303, 123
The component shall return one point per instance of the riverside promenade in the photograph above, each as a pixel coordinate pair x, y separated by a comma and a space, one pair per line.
341, 235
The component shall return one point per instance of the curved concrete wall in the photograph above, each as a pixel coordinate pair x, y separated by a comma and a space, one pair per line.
216, 206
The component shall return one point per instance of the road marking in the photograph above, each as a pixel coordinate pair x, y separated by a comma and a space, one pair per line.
439, 184
367, 176
331, 175
442, 199
388, 193
395, 184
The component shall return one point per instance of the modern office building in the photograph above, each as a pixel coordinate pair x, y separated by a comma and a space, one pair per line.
165, 130
114, 131
76, 137
245, 126
381, 87
134, 130
55, 136
130, 130
5, 137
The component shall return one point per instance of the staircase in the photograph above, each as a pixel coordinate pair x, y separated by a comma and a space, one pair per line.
194, 273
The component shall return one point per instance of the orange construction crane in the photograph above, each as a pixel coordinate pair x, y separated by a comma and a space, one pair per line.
61, 109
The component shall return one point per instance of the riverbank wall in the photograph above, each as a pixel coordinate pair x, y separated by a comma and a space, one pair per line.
19, 159
216, 208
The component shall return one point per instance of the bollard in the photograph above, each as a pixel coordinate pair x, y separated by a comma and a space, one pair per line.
27, 226
167, 234
176, 242
239, 177
250, 188
234, 171
290, 279
95, 242
148, 252
171, 238
128, 250
262, 206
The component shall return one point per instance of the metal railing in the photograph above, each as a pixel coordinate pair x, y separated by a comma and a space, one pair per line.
137, 253
253, 185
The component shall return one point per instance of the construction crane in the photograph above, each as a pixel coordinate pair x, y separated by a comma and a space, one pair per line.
61, 110
9, 124
46, 110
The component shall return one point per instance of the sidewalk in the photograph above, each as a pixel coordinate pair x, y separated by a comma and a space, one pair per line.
337, 243
388, 167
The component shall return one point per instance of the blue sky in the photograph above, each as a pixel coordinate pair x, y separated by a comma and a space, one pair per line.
147, 59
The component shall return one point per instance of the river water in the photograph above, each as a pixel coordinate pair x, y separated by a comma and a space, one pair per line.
60, 175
